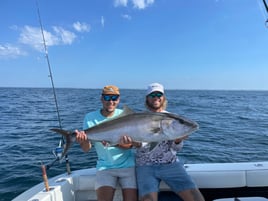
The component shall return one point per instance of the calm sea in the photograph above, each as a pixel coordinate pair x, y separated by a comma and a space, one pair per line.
233, 128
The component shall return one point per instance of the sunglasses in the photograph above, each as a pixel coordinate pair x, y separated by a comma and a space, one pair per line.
110, 97
153, 95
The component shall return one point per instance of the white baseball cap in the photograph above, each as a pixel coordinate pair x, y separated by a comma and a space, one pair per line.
155, 87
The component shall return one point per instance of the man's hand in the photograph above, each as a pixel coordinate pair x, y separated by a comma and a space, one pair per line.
125, 142
81, 136
128, 142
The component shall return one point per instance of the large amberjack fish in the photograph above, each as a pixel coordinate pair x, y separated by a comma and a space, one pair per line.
140, 126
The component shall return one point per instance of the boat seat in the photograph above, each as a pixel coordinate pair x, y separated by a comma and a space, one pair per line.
203, 179
257, 178
219, 175
207, 178
85, 182
243, 199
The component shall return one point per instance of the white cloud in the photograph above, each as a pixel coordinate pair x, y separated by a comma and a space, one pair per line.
32, 36
102, 21
120, 3
66, 37
142, 4
10, 51
125, 16
139, 4
81, 27
14, 27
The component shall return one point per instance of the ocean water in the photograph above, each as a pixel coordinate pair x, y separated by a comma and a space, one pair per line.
233, 128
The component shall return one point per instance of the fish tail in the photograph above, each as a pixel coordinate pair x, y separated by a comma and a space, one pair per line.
68, 136
67, 145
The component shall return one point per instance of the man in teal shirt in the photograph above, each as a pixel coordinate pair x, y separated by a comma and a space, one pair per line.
115, 163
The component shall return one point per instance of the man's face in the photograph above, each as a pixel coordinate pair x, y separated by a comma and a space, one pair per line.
155, 100
110, 102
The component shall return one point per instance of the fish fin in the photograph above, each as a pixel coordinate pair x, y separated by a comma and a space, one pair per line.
68, 139
126, 111
156, 130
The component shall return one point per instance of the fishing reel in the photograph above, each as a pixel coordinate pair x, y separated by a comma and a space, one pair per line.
57, 152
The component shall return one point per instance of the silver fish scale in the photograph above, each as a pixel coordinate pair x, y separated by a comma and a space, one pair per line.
146, 127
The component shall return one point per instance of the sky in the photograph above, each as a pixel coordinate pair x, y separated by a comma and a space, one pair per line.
183, 44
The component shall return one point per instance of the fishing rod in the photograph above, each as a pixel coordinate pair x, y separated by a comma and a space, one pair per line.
266, 8
58, 150
265, 5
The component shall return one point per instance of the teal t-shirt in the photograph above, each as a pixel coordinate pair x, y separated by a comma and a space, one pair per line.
109, 157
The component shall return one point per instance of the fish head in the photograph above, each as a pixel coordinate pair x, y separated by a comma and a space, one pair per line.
175, 127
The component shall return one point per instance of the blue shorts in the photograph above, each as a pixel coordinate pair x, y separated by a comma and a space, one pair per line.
173, 174
125, 177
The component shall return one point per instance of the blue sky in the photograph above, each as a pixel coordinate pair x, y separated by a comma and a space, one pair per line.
183, 44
